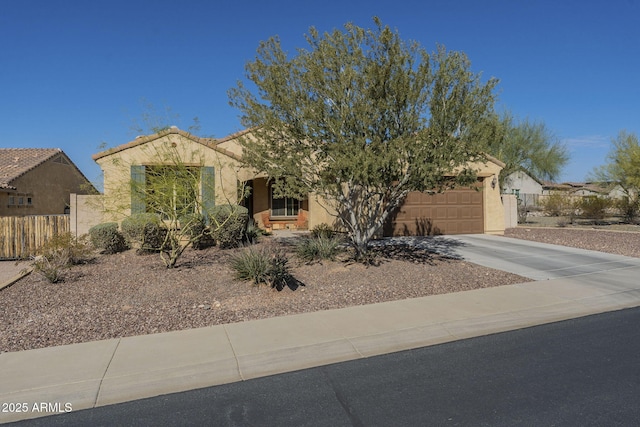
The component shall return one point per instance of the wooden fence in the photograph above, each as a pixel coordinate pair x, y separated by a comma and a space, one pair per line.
20, 237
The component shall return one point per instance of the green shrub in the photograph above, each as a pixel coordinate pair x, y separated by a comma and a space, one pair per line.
228, 224
145, 231
251, 264
322, 230
279, 275
628, 208
594, 207
51, 269
59, 253
106, 238
318, 248
557, 204
262, 265
194, 228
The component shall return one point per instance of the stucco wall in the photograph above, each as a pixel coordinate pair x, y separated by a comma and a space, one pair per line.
493, 209
85, 212
510, 203
116, 169
320, 212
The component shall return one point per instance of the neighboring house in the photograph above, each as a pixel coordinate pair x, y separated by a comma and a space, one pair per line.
610, 190
38, 181
582, 189
526, 188
549, 188
477, 210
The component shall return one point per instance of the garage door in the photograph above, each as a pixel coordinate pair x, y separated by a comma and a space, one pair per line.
458, 211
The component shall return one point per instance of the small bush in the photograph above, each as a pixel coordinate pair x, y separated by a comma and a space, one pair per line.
262, 265
59, 253
523, 212
67, 246
252, 232
629, 208
251, 264
279, 275
51, 269
318, 248
228, 224
594, 207
144, 231
557, 204
106, 238
322, 230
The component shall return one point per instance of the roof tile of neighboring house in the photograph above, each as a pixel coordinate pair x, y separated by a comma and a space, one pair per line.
207, 142
15, 162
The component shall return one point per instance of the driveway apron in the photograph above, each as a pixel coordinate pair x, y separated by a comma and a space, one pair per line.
541, 261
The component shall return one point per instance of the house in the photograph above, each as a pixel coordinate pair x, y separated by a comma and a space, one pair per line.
525, 187
582, 189
218, 162
38, 181
602, 189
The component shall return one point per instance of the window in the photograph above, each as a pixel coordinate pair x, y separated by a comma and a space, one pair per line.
172, 191
20, 200
284, 206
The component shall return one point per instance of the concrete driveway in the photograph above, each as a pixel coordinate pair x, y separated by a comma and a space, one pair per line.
541, 261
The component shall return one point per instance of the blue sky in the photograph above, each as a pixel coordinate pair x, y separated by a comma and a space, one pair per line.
77, 74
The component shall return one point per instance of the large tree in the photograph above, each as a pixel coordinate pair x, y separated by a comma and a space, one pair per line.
528, 146
623, 169
361, 118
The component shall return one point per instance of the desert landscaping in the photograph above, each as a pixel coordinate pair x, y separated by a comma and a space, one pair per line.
127, 294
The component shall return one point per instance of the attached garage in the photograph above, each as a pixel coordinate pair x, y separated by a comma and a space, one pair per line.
459, 211
474, 210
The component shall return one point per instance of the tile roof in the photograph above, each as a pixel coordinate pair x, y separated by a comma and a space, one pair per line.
15, 162
207, 142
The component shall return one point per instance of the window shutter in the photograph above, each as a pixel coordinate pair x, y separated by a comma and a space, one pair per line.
207, 190
137, 189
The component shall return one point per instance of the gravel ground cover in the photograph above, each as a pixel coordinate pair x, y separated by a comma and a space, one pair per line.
608, 224
603, 240
127, 294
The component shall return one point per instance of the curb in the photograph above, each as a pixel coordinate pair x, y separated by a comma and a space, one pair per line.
14, 279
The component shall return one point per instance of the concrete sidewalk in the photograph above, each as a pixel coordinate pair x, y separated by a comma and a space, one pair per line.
81, 376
